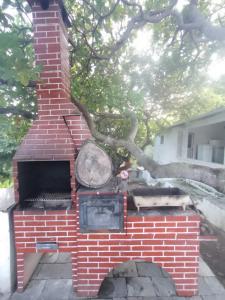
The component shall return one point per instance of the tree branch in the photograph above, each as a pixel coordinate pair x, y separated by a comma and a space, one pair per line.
136, 22
212, 177
192, 19
133, 119
142, 159
103, 17
133, 127
16, 112
31, 83
148, 139
195, 20
133, 4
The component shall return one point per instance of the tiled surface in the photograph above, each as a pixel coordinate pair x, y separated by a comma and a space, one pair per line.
131, 281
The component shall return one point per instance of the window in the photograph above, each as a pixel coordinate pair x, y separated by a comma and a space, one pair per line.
190, 139
162, 139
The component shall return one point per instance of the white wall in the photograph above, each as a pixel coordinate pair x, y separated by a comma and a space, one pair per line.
212, 119
167, 152
5, 271
7, 254
206, 133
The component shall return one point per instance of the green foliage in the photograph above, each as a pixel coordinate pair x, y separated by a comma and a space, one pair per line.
16, 69
11, 132
6, 183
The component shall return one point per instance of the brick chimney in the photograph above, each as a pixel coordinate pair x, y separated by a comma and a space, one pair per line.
51, 52
49, 138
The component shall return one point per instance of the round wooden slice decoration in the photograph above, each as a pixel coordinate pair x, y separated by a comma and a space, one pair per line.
93, 167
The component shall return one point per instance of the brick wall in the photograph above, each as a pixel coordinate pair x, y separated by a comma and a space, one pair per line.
51, 53
31, 227
49, 137
78, 129
170, 241
47, 140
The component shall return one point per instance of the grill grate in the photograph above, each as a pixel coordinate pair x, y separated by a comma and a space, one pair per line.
49, 201
50, 197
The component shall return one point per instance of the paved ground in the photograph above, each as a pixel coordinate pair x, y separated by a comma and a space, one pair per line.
132, 281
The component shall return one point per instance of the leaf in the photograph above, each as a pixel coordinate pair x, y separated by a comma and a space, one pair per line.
5, 4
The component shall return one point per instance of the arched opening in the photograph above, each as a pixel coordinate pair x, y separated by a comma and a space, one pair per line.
137, 279
50, 272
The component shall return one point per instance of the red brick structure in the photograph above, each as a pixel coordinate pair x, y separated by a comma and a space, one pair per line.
56, 135
51, 226
172, 241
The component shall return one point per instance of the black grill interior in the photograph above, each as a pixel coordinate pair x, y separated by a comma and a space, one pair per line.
38, 177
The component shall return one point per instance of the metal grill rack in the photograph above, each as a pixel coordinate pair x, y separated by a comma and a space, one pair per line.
49, 201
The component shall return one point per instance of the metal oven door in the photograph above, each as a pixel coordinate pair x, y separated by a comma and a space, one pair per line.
101, 212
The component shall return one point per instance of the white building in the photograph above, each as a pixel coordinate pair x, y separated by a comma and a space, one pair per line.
201, 140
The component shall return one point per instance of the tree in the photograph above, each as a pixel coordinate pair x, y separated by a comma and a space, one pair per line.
107, 75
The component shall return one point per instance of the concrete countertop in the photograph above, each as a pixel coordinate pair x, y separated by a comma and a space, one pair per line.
6, 199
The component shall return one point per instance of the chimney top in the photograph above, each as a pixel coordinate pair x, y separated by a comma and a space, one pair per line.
64, 13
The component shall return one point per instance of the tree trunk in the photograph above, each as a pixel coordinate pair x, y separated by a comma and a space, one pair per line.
93, 167
212, 177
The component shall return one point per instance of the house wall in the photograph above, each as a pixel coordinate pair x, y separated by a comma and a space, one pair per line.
174, 147
204, 134
218, 117
167, 152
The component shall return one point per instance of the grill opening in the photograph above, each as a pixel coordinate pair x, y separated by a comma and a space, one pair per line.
44, 184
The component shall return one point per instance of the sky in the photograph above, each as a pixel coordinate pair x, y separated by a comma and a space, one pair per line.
143, 41
217, 68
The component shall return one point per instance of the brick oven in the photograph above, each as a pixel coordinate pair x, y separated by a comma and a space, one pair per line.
52, 215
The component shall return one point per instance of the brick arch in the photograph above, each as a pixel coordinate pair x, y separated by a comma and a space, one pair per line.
138, 260
136, 272
171, 241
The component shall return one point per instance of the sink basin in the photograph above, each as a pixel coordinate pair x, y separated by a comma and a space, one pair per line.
160, 197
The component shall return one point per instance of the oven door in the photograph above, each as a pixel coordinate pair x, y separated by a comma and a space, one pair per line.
101, 212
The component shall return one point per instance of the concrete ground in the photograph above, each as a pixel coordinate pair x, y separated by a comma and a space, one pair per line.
132, 281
